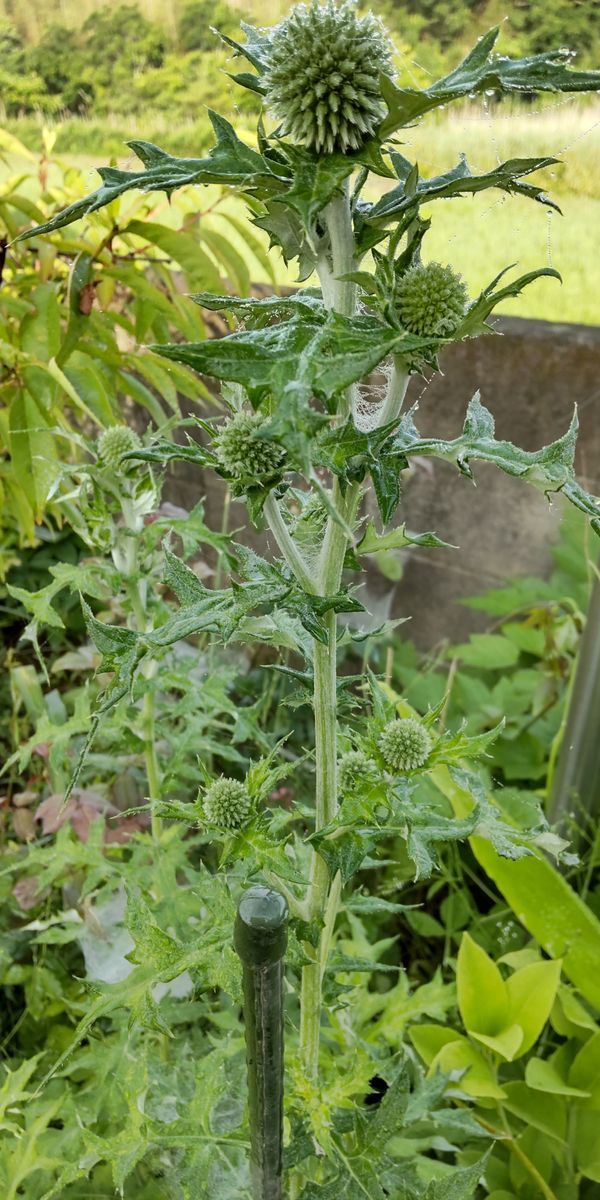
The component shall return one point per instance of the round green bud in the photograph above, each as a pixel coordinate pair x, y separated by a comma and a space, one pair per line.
405, 745
227, 804
240, 449
322, 79
116, 441
353, 767
431, 300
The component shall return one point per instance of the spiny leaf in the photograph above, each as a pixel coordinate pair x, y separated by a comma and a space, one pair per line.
550, 469
458, 181
482, 71
230, 161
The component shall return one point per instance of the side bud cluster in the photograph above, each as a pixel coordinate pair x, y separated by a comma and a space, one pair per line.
116, 441
430, 300
227, 804
405, 745
241, 450
322, 80
353, 768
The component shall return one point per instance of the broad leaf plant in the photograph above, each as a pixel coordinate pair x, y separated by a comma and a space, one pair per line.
305, 435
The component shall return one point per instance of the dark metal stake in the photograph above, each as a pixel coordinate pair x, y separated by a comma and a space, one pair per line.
260, 938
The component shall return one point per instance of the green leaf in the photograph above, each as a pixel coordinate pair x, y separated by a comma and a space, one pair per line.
229, 162
543, 1076
152, 946
460, 1184
550, 469
372, 542
541, 898
486, 652
480, 71
181, 248
477, 1077
546, 1113
306, 356
474, 321
531, 992
482, 995
458, 181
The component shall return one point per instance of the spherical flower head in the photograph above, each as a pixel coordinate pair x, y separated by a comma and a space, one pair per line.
405, 745
431, 300
322, 80
353, 768
227, 804
240, 449
116, 441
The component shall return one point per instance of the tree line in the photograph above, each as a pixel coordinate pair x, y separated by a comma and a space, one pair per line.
120, 60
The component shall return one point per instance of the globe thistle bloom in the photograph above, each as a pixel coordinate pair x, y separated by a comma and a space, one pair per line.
322, 79
242, 451
431, 300
116, 441
226, 804
405, 745
352, 768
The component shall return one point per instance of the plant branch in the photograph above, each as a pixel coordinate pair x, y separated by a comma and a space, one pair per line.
396, 391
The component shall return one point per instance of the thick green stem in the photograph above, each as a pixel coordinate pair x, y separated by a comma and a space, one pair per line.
339, 294
148, 722
396, 391
288, 548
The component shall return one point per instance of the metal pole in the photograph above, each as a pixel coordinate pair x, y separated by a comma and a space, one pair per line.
260, 938
576, 784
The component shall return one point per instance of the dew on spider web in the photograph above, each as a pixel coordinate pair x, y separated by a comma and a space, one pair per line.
549, 218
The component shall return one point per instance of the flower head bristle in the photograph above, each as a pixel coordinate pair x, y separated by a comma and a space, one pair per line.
242, 451
226, 804
405, 745
430, 300
114, 442
322, 80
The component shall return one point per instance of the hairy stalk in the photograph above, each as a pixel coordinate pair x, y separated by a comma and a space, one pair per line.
148, 723
396, 391
290, 551
323, 903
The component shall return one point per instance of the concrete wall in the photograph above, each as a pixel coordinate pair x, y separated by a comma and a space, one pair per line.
529, 377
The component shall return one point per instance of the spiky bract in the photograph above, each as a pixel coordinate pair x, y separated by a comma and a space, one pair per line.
405, 745
227, 804
431, 300
322, 80
116, 441
242, 451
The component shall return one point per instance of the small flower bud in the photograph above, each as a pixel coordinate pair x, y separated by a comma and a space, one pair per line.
353, 767
116, 441
242, 452
405, 745
227, 804
322, 79
431, 300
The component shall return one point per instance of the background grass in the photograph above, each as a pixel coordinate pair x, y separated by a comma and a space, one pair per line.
479, 235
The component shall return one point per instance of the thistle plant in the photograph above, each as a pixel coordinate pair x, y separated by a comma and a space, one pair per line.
302, 441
